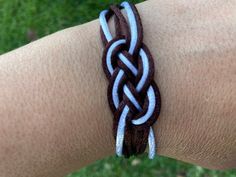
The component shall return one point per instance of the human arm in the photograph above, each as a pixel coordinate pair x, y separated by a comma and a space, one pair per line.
53, 107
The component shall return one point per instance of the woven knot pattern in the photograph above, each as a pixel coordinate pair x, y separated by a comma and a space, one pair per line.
133, 96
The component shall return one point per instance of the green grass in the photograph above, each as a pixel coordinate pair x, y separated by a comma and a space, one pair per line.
143, 167
24, 21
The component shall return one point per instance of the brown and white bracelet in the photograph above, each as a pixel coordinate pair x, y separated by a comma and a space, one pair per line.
133, 95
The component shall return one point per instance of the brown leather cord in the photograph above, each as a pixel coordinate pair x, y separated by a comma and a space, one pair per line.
136, 136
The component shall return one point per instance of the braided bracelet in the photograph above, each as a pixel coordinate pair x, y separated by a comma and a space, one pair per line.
133, 96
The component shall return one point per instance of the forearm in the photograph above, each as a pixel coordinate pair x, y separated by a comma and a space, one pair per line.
53, 106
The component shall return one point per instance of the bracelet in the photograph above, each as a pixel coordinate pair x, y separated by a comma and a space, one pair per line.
133, 95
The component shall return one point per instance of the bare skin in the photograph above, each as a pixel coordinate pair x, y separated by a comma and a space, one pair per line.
54, 115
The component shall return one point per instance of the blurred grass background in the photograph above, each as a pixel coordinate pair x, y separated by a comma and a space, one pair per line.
22, 21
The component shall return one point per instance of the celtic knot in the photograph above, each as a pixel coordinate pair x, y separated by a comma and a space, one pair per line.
133, 96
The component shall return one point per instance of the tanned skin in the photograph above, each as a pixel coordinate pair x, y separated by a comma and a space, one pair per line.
54, 115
